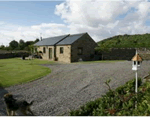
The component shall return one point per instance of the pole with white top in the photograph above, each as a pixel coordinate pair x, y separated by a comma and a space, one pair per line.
136, 64
136, 77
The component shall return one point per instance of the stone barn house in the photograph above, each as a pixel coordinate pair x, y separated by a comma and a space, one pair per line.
67, 48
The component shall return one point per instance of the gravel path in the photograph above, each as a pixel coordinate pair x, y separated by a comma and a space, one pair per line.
71, 85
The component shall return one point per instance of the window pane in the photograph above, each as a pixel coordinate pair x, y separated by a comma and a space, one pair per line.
44, 50
80, 51
61, 50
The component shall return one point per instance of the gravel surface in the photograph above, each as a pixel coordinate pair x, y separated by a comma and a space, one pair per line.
71, 85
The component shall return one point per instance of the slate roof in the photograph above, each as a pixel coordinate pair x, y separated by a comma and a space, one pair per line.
60, 40
50, 40
70, 39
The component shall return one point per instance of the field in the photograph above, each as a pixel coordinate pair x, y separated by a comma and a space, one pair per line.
16, 71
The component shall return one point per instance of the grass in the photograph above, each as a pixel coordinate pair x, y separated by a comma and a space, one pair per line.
16, 71
102, 61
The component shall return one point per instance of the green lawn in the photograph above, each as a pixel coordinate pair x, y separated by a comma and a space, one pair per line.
16, 71
101, 61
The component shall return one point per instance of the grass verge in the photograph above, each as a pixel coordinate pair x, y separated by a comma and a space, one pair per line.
16, 71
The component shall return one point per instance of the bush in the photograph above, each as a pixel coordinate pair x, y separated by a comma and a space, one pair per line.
119, 102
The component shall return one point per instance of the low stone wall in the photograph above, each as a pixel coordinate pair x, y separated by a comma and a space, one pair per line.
118, 54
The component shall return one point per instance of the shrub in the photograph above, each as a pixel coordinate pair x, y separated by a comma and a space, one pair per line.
118, 102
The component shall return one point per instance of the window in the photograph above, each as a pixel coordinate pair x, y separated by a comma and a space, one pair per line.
61, 50
80, 50
44, 50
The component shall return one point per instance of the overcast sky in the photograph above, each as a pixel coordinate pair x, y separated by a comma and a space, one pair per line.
100, 18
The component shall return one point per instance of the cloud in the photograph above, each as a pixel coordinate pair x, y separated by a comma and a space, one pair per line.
99, 17
48, 25
9, 32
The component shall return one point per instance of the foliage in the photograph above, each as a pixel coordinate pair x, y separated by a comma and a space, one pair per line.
120, 102
13, 44
21, 45
36, 40
2, 47
124, 41
16, 71
31, 48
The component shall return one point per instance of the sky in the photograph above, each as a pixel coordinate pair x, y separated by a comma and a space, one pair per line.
99, 18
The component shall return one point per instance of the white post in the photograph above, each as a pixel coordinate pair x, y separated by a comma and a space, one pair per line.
136, 76
136, 82
136, 85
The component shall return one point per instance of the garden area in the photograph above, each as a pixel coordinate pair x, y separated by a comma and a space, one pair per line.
119, 102
16, 71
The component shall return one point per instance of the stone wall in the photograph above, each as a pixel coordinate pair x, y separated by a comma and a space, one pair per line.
66, 55
88, 45
46, 54
118, 54
144, 53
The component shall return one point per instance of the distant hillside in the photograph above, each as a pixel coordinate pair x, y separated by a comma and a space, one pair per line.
125, 41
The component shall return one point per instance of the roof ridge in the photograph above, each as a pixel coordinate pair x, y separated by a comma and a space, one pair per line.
55, 36
64, 35
77, 34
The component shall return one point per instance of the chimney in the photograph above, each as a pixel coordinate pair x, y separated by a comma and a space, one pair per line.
41, 36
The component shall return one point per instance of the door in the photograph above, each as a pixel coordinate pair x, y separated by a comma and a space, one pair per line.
50, 53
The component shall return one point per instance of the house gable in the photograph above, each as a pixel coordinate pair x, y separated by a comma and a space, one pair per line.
83, 48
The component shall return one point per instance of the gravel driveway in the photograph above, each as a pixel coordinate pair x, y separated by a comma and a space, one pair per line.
71, 85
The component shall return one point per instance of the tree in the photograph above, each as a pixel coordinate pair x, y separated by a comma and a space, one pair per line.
2, 47
21, 44
31, 48
13, 44
36, 40
29, 43
7, 48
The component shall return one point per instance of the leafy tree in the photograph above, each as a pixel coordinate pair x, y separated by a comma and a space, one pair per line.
2, 47
13, 44
26, 48
31, 48
8, 48
36, 40
21, 44
29, 43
